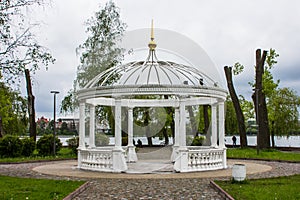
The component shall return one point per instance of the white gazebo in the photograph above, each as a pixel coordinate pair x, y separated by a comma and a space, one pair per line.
124, 85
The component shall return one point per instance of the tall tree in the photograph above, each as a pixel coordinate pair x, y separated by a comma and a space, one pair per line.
283, 112
98, 53
19, 50
18, 47
100, 50
236, 104
259, 99
31, 107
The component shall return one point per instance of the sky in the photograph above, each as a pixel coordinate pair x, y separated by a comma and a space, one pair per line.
229, 32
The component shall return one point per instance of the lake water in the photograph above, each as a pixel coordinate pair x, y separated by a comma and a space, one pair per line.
291, 141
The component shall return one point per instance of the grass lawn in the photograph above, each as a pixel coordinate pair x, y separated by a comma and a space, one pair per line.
24, 188
272, 188
263, 154
64, 153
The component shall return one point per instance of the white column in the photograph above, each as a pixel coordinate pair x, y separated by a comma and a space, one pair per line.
182, 126
132, 157
81, 125
174, 155
119, 162
214, 125
181, 162
221, 125
177, 121
118, 124
92, 127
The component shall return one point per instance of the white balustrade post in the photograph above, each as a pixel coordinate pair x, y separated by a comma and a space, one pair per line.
214, 125
132, 157
92, 127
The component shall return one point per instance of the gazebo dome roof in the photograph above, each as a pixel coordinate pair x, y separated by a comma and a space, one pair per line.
174, 76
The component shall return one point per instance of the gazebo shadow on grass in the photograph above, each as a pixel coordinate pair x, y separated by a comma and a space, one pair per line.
152, 160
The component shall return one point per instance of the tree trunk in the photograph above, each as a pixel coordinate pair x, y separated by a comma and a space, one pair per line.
1, 128
263, 137
192, 120
165, 133
146, 124
206, 118
170, 112
31, 110
237, 107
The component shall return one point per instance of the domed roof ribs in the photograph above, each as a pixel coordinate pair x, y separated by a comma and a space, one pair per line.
134, 68
167, 75
170, 70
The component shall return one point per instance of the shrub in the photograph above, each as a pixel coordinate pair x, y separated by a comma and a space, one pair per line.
198, 140
73, 144
10, 146
189, 140
28, 146
45, 145
101, 139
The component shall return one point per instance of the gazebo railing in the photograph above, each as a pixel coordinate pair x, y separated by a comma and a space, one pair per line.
98, 159
202, 159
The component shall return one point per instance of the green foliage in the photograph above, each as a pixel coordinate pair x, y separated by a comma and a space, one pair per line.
64, 153
25, 188
198, 141
13, 109
45, 145
100, 51
238, 68
10, 146
271, 188
69, 103
73, 144
283, 111
231, 123
124, 141
28, 146
101, 139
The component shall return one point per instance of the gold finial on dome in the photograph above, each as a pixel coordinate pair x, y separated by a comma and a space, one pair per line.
152, 44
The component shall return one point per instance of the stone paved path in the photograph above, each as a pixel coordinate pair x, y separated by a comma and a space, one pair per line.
147, 188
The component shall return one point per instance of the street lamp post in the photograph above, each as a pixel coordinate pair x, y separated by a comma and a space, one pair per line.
54, 119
